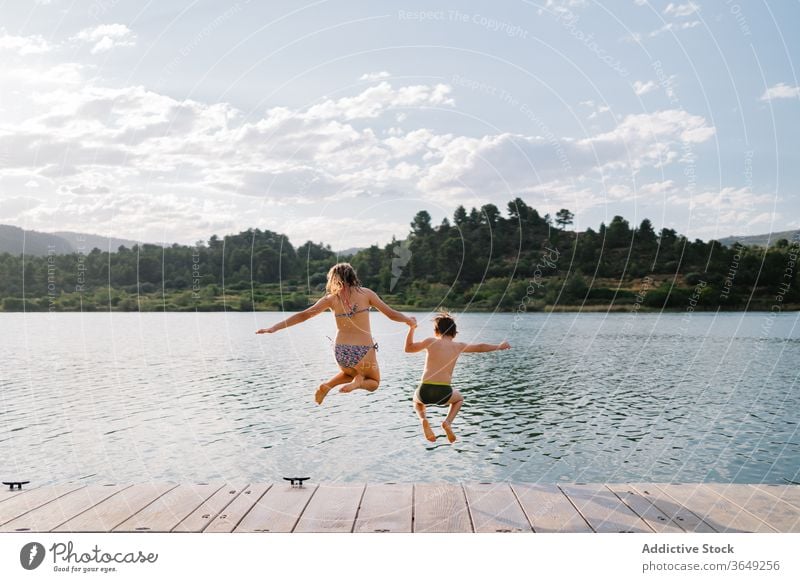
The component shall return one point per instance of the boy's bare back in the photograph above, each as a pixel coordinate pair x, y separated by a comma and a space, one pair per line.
442, 353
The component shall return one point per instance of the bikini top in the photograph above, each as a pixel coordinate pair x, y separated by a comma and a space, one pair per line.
353, 310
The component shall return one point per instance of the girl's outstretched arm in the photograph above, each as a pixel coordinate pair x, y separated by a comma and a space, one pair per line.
392, 314
312, 311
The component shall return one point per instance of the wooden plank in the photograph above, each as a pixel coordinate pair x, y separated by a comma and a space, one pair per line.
333, 508
108, 514
169, 510
676, 512
771, 510
230, 517
386, 507
6, 493
604, 511
494, 508
718, 512
50, 515
644, 508
440, 507
787, 493
278, 510
548, 509
201, 517
32, 499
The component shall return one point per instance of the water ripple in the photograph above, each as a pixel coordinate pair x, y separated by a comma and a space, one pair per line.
595, 398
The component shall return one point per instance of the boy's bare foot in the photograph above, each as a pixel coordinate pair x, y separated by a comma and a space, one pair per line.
321, 393
426, 428
451, 436
353, 384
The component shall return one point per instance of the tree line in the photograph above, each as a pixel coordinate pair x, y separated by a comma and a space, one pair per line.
479, 259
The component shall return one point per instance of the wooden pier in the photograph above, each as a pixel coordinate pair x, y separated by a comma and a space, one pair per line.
402, 507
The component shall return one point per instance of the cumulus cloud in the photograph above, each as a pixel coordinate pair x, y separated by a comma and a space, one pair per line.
724, 211
374, 76
24, 45
780, 91
118, 155
681, 10
674, 26
642, 87
16, 206
106, 36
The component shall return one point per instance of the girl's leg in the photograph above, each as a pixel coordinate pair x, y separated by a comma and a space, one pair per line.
326, 387
426, 426
455, 402
366, 374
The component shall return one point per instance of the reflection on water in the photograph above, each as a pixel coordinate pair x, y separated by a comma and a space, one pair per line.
581, 397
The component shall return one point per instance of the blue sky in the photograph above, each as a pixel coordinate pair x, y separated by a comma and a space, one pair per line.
337, 121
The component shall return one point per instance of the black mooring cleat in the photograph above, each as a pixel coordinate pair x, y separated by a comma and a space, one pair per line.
15, 484
299, 480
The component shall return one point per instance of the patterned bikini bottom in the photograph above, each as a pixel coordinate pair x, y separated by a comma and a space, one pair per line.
348, 355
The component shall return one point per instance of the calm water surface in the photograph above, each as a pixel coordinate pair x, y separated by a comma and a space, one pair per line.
581, 397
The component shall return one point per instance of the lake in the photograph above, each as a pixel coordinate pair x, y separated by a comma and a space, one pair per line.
581, 397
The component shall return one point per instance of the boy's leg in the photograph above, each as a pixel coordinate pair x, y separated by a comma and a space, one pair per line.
455, 402
325, 387
426, 426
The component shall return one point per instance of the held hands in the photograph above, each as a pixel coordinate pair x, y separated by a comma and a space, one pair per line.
265, 330
411, 322
504, 345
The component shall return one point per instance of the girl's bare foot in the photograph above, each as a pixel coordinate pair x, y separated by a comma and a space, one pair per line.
321, 393
451, 436
426, 428
353, 384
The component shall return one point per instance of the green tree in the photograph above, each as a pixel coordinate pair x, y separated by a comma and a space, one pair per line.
564, 218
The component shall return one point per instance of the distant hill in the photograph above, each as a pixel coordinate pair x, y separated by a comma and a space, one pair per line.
15, 240
349, 252
761, 240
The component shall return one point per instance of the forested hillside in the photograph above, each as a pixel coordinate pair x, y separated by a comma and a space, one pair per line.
480, 259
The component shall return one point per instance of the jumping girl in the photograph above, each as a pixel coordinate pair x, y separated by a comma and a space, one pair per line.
354, 348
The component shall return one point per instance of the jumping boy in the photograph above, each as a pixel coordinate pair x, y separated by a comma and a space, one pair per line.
440, 360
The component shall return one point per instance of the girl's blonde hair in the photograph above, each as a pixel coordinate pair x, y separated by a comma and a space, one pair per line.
341, 275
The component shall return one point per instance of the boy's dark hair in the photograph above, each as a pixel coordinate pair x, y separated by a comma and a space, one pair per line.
443, 324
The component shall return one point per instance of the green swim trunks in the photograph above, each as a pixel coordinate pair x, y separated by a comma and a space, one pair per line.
433, 393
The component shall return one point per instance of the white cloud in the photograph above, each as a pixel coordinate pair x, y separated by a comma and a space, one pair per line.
642, 87
374, 76
729, 210
680, 10
24, 45
148, 166
780, 91
655, 188
106, 36
17, 206
374, 100
673, 26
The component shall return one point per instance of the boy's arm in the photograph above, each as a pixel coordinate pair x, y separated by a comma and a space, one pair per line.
392, 314
486, 347
412, 346
304, 315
